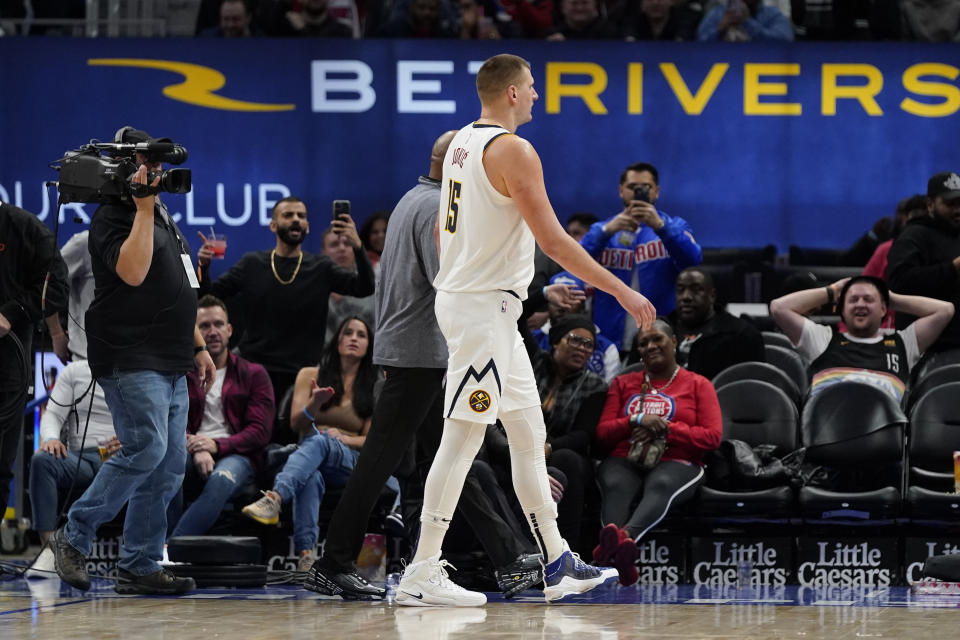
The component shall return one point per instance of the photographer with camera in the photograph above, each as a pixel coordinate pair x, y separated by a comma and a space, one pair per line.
142, 341
644, 247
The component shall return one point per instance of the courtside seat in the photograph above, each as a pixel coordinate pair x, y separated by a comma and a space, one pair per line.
758, 413
759, 371
934, 436
857, 431
791, 363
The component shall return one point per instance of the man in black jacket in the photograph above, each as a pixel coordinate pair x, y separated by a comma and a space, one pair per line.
710, 340
925, 258
28, 253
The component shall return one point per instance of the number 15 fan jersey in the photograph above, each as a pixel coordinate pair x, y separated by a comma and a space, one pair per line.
484, 242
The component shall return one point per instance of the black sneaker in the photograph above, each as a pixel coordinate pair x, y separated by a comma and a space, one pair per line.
160, 582
523, 573
71, 565
348, 585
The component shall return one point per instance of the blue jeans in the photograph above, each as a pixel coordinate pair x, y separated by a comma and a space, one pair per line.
149, 411
319, 462
231, 474
50, 475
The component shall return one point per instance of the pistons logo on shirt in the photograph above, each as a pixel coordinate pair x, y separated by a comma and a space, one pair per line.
652, 403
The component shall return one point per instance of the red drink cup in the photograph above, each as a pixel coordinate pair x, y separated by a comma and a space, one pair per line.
218, 244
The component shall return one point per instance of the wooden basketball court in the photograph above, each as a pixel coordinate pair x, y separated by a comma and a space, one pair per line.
46, 609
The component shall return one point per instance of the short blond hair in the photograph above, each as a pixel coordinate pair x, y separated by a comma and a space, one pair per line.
498, 73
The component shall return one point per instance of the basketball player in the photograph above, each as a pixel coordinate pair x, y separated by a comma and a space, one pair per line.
493, 205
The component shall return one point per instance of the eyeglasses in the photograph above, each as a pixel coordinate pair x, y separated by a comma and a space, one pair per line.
579, 341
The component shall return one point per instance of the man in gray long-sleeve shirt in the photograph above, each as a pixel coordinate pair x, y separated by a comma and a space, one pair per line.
412, 351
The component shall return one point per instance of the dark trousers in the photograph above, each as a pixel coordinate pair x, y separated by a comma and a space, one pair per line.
410, 406
11, 432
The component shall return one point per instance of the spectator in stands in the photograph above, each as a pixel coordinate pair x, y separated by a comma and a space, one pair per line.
534, 18
475, 23
605, 357
710, 339
373, 232
336, 246
423, 19
331, 408
660, 20
276, 290
57, 467
579, 223
582, 20
664, 399
308, 18
639, 241
925, 258
930, 20
228, 427
235, 21
907, 209
745, 20
861, 353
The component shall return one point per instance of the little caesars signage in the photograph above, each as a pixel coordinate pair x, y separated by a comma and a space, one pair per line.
716, 560
847, 562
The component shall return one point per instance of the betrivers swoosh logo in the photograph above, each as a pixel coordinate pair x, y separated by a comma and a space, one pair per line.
198, 86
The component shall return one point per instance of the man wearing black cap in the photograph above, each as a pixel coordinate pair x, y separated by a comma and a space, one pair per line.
925, 258
141, 341
861, 353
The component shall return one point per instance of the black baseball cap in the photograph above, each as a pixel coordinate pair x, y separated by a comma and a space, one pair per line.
945, 185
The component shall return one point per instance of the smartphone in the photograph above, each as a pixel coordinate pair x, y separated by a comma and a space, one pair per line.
341, 208
642, 193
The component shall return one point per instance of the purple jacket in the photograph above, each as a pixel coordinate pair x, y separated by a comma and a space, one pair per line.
248, 409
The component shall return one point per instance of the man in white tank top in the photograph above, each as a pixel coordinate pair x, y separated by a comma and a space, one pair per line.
493, 206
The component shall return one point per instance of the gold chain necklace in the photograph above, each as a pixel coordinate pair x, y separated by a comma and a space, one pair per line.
295, 271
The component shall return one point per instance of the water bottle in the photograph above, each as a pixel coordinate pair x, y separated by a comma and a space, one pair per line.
393, 579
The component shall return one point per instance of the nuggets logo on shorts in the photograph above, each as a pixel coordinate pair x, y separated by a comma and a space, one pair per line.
479, 400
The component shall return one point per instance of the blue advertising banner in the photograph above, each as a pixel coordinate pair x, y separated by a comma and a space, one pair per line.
786, 143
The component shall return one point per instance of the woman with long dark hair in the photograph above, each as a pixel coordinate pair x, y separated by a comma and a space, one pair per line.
331, 410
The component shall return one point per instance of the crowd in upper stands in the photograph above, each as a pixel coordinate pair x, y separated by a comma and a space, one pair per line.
629, 20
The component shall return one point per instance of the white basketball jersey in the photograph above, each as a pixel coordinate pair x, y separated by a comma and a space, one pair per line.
484, 242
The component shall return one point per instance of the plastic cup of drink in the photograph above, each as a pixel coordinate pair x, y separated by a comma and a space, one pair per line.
104, 448
744, 574
218, 244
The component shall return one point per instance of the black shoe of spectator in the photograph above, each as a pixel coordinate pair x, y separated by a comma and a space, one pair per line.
348, 585
70, 564
523, 573
160, 582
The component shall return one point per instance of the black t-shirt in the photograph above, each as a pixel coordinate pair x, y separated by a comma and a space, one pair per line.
145, 327
284, 324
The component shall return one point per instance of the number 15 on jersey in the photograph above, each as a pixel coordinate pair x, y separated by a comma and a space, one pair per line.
453, 206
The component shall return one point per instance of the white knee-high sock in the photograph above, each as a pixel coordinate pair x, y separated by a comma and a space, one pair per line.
527, 434
459, 445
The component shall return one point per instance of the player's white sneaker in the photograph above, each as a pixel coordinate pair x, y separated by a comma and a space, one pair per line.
427, 584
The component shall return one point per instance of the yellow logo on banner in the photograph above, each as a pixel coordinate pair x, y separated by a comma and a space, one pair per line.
198, 86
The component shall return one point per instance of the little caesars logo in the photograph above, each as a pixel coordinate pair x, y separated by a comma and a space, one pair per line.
845, 565
933, 548
722, 569
655, 567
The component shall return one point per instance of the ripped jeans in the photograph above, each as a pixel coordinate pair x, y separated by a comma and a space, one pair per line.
231, 474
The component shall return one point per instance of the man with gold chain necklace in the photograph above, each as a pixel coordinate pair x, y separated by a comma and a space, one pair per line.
282, 294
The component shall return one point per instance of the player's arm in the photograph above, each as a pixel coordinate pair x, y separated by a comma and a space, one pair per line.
514, 169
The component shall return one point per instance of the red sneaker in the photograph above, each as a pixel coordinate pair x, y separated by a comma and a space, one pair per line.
608, 541
625, 560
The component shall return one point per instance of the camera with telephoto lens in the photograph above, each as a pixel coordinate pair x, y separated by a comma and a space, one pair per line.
101, 172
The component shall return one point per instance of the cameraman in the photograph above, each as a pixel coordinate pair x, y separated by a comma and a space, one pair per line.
28, 253
142, 340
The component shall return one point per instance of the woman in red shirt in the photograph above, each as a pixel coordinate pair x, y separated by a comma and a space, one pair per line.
664, 398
